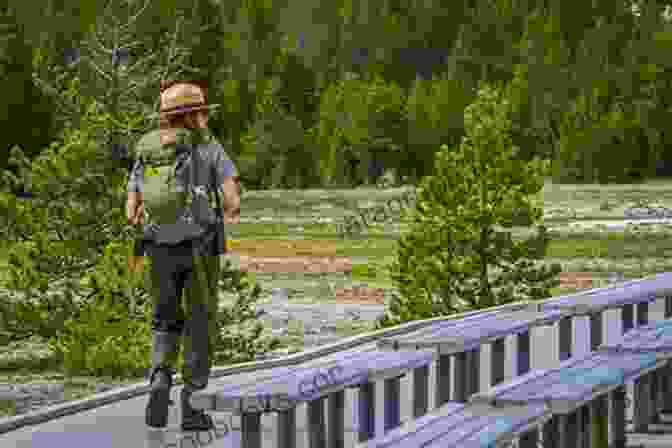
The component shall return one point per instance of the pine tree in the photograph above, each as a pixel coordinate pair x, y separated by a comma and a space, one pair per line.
459, 253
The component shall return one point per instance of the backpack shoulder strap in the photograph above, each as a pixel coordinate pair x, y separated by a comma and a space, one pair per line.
215, 190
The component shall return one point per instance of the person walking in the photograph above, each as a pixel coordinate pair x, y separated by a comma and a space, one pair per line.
184, 272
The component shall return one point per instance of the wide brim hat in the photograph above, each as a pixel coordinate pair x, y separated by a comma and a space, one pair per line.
182, 98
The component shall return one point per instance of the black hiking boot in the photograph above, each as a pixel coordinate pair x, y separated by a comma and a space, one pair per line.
156, 412
193, 419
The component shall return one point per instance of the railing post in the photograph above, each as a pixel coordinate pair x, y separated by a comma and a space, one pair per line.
563, 430
573, 429
336, 425
642, 313
657, 309
316, 428
668, 307
653, 397
443, 374
662, 389
421, 390
530, 439
618, 398
600, 422
391, 408
550, 433
286, 428
660, 403
628, 317
667, 388
461, 377
497, 359
543, 355
485, 366
474, 366
365, 405
432, 384
595, 330
641, 402
565, 338
511, 357
584, 417
612, 325
523, 358
251, 430
582, 336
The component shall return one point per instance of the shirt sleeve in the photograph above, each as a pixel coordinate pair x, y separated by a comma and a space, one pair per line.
136, 178
224, 166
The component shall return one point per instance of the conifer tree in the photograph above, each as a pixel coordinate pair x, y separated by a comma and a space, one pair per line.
459, 253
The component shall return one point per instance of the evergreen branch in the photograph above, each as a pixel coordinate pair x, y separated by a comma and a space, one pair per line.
99, 70
98, 41
132, 19
146, 59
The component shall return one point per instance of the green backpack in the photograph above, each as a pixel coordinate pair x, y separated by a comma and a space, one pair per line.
167, 183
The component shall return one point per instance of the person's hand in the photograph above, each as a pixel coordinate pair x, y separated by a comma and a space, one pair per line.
140, 214
136, 264
135, 212
232, 217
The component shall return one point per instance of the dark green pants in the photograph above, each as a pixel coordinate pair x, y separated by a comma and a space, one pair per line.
184, 282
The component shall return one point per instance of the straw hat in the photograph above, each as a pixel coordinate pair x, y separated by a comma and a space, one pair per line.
181, 98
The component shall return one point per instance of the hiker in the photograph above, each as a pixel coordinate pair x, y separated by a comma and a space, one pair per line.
159, 187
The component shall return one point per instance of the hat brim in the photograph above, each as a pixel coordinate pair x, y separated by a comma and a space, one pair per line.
184, 111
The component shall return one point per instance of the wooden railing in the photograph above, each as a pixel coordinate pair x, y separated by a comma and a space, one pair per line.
452, 369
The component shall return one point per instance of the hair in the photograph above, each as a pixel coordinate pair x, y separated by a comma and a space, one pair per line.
180, 120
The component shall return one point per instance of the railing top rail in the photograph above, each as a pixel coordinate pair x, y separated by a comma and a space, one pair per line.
642, 290
468, 335
471, 426
286, 389
574, 382
374, 336
654, 337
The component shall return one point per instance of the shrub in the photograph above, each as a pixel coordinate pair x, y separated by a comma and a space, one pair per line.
110, 335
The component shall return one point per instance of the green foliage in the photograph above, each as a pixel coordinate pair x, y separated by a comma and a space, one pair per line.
60, 232
110, 334
27, 114
240, 336
455, 256
276, 151
310, 50
30, 354
104, 340
76, 210
593, 132
364, 271
435, 117
357, 116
